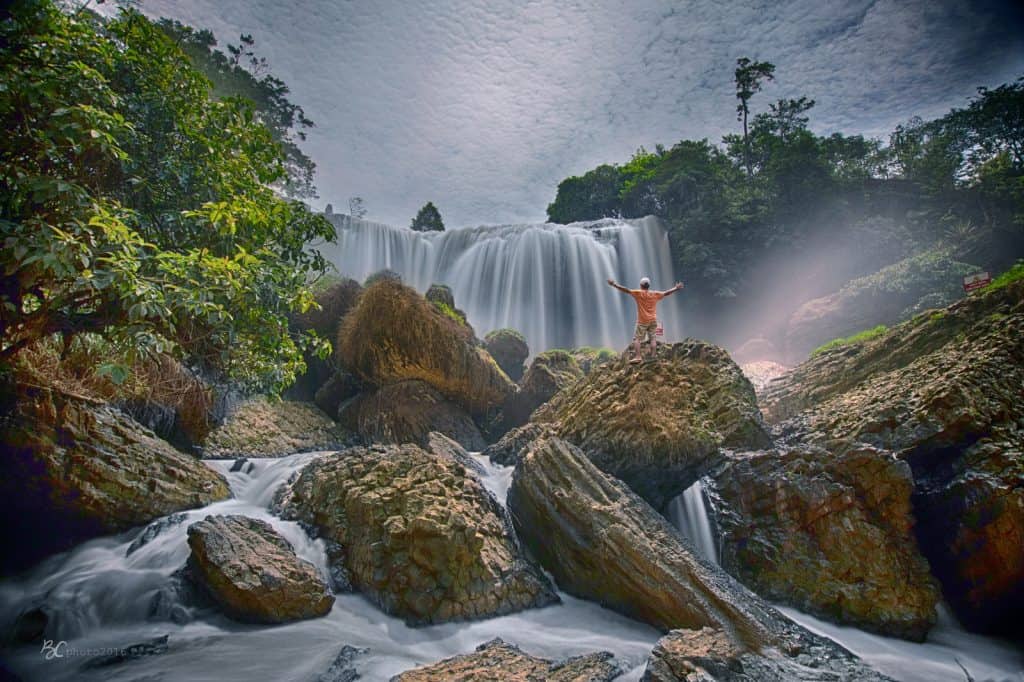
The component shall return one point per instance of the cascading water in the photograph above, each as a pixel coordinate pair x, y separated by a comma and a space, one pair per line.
546, 281
104, 595
688, 512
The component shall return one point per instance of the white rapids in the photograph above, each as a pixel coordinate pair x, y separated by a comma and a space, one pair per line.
100, 596
947, 653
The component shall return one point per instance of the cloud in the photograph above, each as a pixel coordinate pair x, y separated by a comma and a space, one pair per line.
484, 106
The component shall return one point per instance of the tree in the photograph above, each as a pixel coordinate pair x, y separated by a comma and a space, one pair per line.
356, 208
749, 75
134, 205
428, 219
594, 195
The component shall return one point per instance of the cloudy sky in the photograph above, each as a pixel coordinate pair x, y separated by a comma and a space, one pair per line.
483, 106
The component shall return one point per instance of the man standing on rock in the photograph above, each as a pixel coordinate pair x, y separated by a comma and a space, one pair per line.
646, 316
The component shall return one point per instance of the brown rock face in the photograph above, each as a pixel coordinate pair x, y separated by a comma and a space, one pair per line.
408, 412
708, 655
394, 334
75, 469
509, 350
335, 299
658, 426
498, 661
264, 428
830, 533
549, 373
943, 392
602, 542
418, 533
253, 573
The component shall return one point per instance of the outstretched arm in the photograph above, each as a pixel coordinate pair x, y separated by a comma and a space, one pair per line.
618, 286
669, 292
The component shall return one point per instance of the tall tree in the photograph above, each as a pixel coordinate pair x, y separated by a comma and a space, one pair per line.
749, 77
356, 207
428, 219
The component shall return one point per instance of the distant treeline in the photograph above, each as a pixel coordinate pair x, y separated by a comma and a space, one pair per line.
779, 190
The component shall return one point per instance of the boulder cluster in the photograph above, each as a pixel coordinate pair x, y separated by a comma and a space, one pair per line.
864, 486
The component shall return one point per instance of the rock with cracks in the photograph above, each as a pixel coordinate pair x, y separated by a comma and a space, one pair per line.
417, 532
253, 572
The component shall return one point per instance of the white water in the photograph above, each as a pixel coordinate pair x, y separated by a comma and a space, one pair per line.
688, 513
935, 660
102, 598
547, 281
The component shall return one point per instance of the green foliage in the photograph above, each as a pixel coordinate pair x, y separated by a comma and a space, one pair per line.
428, 219
242, 74
1014, 274
134, 205
859, 337
450, 312
504, 331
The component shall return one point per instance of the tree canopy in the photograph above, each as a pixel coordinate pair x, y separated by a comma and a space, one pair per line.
136, 204
428, 219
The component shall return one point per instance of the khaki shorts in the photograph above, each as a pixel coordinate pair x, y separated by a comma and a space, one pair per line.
645, 331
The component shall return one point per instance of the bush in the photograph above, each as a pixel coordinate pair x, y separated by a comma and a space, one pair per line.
859, 337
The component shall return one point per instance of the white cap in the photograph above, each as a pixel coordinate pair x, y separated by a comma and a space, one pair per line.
645, 280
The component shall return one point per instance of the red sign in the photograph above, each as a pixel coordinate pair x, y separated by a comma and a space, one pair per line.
977, 281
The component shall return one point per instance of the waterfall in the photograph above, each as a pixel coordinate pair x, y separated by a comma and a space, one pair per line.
688, 512
546, 281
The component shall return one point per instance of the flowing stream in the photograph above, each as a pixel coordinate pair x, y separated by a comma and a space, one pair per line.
948, 652
546, 281
102, 595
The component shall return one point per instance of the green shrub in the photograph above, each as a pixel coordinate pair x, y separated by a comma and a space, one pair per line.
1014, 274
859, 337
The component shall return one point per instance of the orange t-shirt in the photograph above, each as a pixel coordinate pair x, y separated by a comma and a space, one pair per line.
646, 302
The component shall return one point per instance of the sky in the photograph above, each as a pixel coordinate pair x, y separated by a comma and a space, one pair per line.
484, 106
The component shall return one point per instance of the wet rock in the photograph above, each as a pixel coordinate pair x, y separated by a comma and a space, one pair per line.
407, 412
510, 448
658, 426
942, 391
253, 572
30, 625
602, 542
549, 373
336, 391
497, 660
508, 348
828, 532
261, 427
421, 535
395, 334
343, 667
75, 468
150, 532
709, 655
243, 465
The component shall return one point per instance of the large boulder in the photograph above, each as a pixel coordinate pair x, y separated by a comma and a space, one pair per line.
499, 661
335, 297
253, 572
829, 532
513, 444
75, 468
417, 532
395, 334
508, 348
894, 293
549, 373
336, 391
602, 542
262, 427
709, 655
659, 425
942, 391
408, 412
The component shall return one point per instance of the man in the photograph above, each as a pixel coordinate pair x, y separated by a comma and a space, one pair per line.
646, 317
